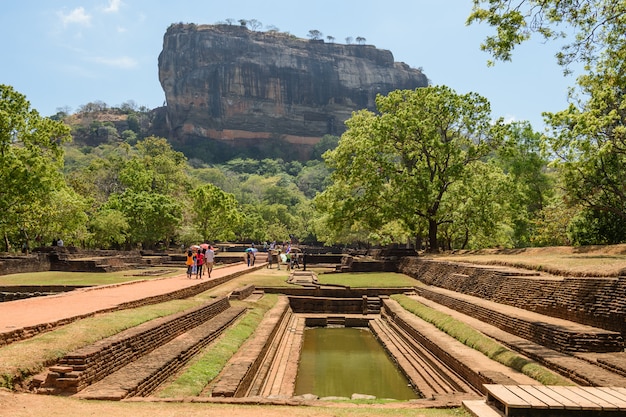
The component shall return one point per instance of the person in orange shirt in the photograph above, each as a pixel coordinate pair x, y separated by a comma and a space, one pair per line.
189, 263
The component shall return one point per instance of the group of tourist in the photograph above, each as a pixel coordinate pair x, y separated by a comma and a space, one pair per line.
284, 254
200, 260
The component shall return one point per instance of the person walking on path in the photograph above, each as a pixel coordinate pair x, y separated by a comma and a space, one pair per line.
200, 262
189, 263
270, 255
209, 259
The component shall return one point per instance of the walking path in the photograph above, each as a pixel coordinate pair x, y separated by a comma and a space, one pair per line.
25, 318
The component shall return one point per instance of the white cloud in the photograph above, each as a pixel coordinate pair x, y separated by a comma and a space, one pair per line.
508, 118
78, 71
113, 7
122, 62
78, 16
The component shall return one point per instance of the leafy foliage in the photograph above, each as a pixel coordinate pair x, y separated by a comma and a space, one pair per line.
400, 164
31, 159
588, 139
597, 25
217, 215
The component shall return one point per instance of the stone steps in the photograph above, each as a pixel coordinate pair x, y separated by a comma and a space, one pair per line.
422, 368
77, 370
264, 372
472, 366
372, 305
558, 334
277, 382
238, 374
143, 376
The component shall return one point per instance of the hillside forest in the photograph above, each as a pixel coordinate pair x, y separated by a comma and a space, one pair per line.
430, 167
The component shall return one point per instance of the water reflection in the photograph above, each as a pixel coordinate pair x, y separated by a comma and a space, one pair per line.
343, 361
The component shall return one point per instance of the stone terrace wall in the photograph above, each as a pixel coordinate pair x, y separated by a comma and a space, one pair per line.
84, 366
22, 264
18, 292
339, 292
552, 336
327, 305
598, 302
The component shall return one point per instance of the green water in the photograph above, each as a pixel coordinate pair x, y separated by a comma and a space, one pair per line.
343, 361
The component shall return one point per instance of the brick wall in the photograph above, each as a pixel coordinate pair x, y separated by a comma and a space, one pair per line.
339, 292
22, 264
554, 337
328, 305
85, 366
598, 302
242, 293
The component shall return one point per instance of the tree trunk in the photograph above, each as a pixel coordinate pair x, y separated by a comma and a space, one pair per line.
466, 239
418, 242
432, 235
7, 244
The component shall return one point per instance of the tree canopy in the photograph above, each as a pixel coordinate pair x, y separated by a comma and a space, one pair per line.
31, 159
587, 141
590, 26
400, 163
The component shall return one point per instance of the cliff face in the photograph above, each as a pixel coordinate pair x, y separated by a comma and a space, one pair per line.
231, 84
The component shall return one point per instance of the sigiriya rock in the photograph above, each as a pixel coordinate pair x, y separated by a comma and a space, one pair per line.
268, 91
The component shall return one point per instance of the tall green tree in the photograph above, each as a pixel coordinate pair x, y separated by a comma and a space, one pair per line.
109, 228
400, 163
523, 159
588, 139
216, 213
479, 207
31, 162
589, 142
151, 217
156, 167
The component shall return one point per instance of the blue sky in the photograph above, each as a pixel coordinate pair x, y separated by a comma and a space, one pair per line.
68, 53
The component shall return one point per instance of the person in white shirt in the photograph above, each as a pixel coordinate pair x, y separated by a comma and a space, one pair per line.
209, 259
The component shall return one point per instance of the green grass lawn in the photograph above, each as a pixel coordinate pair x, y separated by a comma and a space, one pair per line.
278, 278
82, 278
264, 277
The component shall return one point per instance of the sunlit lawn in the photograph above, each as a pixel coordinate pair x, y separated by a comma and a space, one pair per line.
263, 277
83, 278
551, 261
278, 278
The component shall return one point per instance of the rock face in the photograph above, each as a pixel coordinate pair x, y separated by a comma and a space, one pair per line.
265, 90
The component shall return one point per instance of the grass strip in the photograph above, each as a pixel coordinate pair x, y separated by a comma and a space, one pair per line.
208, 365
51, 278
28, 357
478, 341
